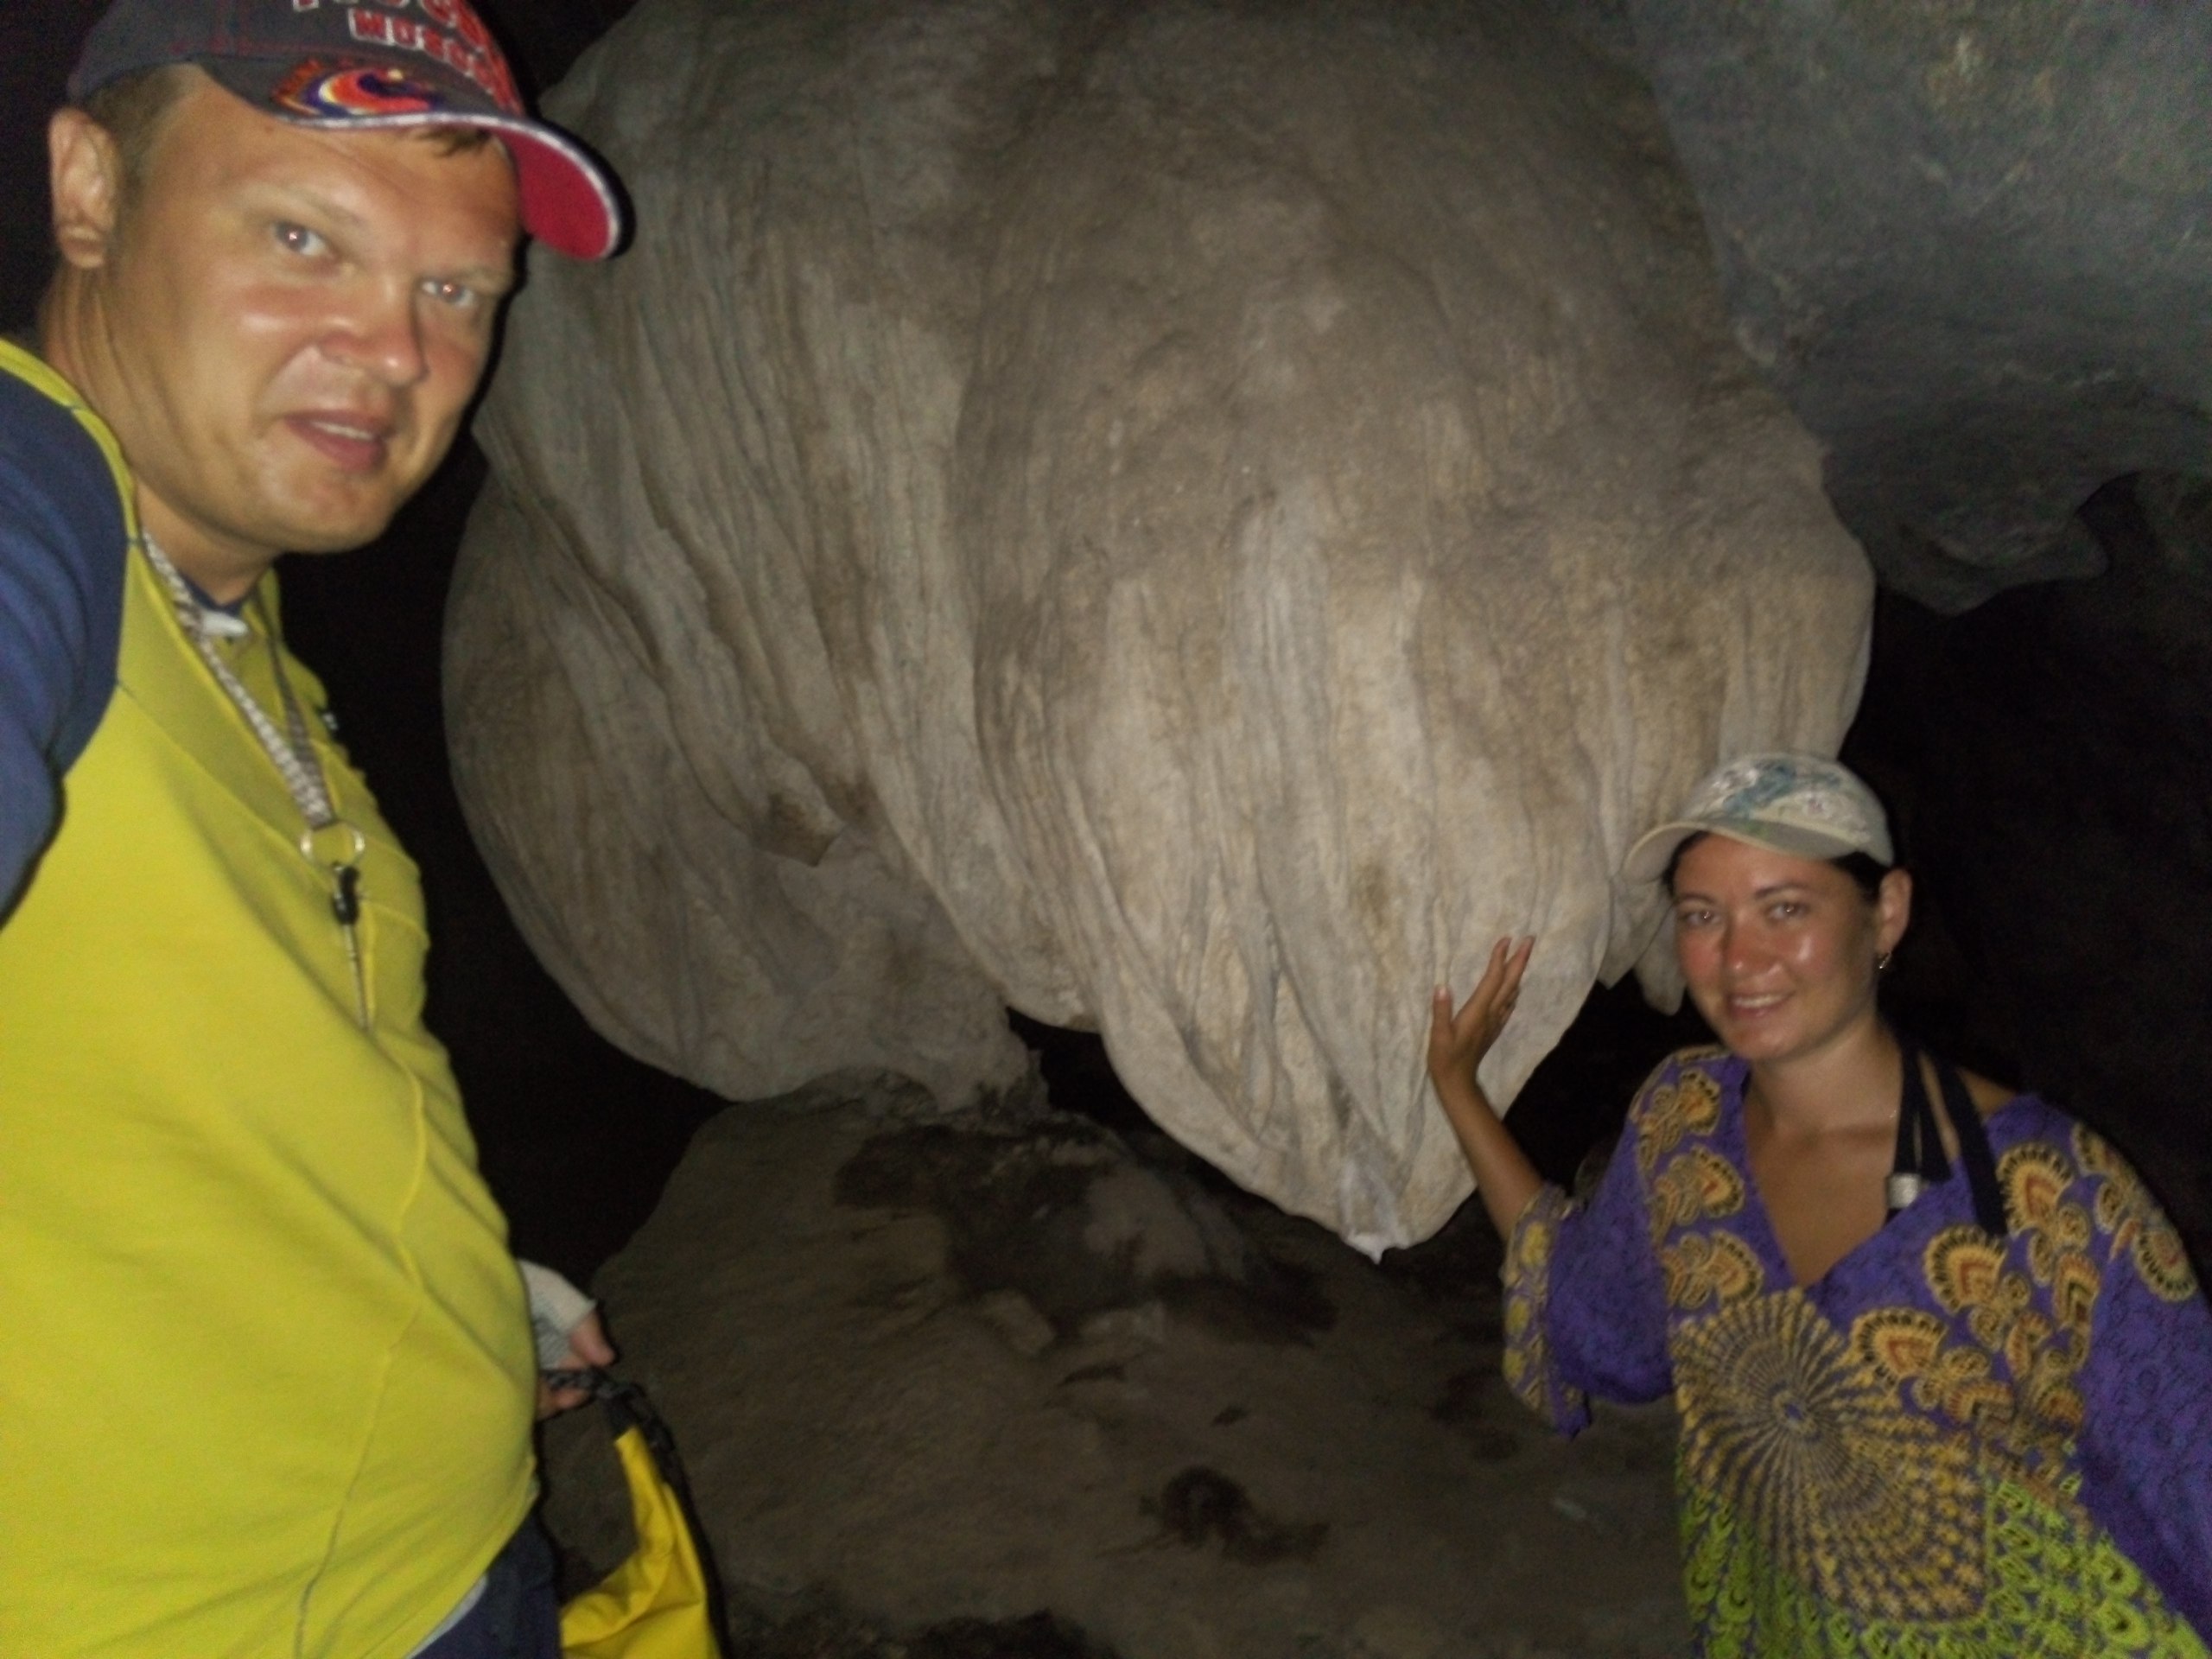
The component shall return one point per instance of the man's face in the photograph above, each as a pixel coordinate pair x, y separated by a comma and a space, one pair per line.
287, 325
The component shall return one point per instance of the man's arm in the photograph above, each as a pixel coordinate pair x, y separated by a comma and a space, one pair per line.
26, 795
61, 565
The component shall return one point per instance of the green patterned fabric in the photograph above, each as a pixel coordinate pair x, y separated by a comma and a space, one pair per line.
2054, 1592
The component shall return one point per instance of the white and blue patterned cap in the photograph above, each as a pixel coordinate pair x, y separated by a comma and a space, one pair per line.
1795, 803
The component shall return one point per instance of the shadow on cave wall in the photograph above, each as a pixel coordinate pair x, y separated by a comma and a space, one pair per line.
576, 1137
2050, 756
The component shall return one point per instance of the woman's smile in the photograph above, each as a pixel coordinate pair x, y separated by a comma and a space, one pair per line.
1778, 951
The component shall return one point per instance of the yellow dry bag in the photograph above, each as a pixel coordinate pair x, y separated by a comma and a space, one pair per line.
663, 1602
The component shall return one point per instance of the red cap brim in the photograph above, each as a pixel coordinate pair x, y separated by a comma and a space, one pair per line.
569, 202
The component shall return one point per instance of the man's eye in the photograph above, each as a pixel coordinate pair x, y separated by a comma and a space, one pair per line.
460, 295
299, 239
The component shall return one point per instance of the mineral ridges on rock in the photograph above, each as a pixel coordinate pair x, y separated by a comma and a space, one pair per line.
1186, 519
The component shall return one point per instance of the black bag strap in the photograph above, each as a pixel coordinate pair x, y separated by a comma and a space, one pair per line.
628, 1406
1920, 1145
1974, 1151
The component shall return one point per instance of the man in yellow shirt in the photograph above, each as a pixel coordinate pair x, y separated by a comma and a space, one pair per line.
272, 1373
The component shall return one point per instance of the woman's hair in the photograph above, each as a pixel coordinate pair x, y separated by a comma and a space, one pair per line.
1865, 870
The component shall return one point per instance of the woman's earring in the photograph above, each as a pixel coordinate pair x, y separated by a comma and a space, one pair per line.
1881, 963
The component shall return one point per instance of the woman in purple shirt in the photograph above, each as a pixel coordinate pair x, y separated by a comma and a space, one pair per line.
1943, 1370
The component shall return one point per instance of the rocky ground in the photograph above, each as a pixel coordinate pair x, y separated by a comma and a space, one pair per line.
1021, 1384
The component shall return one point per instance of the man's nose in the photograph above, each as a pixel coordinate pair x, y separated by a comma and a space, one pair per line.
381, 333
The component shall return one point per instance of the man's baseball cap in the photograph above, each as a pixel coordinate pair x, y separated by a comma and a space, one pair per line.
368, 64
1795, 803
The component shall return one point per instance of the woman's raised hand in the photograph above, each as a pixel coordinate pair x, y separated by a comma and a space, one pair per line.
1456, 1042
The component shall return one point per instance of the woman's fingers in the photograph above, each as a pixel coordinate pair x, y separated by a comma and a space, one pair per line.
1499, 987
1442, 1027
1486, 987
1515, 966
1468, 1032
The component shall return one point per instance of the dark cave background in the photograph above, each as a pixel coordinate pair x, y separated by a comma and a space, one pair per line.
2047, 758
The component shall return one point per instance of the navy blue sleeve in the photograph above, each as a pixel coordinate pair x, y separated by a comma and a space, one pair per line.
61, 568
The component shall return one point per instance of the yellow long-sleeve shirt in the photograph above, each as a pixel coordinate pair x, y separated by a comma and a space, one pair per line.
269, 1378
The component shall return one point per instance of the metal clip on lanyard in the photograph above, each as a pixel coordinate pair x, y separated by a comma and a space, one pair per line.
328, 843
337, 846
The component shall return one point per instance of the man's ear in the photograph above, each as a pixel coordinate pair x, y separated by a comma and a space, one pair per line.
86, 171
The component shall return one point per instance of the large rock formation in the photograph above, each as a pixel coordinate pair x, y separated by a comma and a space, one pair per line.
1183, 518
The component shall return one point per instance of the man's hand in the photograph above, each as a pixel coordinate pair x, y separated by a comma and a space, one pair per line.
589, 1350
566, 1324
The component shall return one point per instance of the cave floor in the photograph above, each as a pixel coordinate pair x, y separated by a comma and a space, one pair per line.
980, 1390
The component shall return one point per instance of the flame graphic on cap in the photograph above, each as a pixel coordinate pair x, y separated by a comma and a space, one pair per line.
358, 92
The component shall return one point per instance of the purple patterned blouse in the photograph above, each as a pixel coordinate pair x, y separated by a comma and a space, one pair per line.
1950, 1445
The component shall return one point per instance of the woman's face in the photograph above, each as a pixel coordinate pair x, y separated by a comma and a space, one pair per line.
1779, 952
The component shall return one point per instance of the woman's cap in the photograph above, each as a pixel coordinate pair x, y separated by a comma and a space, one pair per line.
368, 64
1795, 803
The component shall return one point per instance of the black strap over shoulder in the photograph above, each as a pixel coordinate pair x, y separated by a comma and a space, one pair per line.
1974, 1151
628, 1406
1920, 1145
1919, 1157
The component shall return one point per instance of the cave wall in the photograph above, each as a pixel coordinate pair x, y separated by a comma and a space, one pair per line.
1968, 242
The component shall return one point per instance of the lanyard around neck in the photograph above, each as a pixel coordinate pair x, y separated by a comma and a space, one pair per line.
329, 843
291, 750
